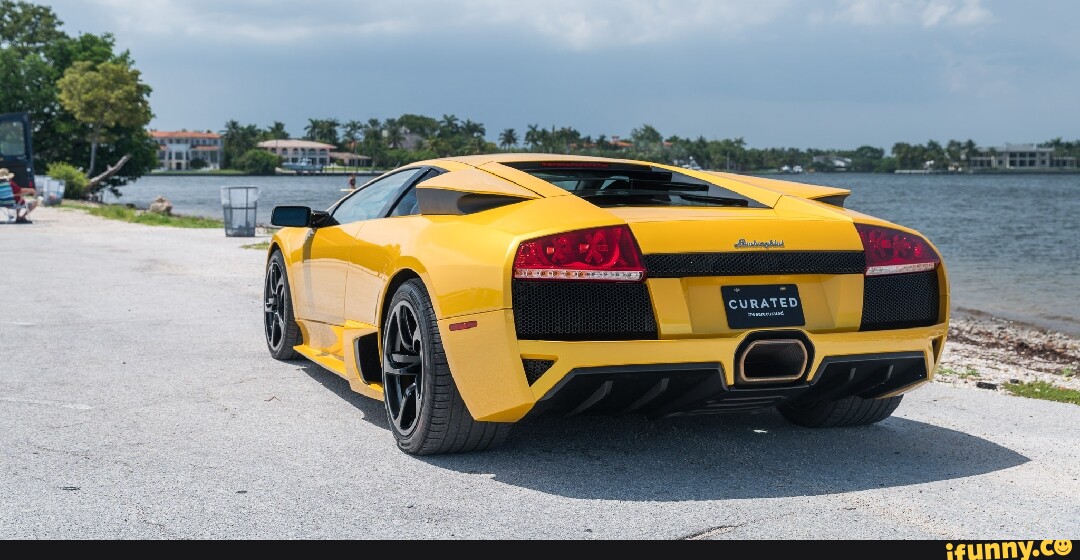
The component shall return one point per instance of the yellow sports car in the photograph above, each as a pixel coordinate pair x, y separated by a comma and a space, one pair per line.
470, 293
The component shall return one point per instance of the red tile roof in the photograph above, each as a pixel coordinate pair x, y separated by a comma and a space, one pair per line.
182, 134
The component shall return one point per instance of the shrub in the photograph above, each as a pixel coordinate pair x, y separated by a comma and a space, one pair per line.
258, 162
197, 163
75, 181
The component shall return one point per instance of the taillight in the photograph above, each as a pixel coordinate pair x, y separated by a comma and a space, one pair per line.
890, 251
602, 254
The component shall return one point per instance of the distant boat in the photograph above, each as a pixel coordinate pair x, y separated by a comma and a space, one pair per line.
302, 166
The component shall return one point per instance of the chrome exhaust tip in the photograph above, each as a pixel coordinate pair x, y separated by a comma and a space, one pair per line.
772, 361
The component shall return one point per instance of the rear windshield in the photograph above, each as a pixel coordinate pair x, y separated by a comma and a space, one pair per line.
617, 184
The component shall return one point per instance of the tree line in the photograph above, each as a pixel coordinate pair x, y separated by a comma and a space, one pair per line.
410, 137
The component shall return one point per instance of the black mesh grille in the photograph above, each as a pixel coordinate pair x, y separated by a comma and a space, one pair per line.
900, 301
682, 265
583, 311
535, 368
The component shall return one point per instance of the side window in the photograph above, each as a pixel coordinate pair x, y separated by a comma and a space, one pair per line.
408, 206
372, 198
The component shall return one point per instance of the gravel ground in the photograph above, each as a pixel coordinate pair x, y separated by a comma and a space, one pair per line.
138, 401
988, 352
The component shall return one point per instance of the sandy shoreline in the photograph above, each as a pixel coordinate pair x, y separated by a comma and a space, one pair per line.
990, 351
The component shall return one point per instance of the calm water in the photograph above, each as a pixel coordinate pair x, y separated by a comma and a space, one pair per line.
1011, 243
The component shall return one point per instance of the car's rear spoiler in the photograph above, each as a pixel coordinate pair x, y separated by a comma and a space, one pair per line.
829, 195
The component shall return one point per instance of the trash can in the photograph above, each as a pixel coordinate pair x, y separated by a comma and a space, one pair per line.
239, 204
51, 190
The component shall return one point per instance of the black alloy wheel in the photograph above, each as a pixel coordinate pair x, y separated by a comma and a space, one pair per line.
423, 406
282, 332
403, 367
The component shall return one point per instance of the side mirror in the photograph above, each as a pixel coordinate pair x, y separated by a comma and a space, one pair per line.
291, 216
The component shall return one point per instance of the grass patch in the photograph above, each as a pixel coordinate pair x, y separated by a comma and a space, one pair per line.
261, 246
1045, 391
126, 214
968, 373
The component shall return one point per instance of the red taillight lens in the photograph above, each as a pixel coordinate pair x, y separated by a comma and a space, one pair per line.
890, 251
603, 254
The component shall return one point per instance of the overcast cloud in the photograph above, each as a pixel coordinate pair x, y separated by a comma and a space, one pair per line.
811, 73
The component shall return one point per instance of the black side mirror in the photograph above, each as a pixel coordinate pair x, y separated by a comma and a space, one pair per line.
291, 216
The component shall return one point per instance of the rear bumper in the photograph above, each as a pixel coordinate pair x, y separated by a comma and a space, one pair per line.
687, 389
490, 364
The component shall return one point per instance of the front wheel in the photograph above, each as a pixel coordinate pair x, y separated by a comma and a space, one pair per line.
279, 324
851, 411
425, 410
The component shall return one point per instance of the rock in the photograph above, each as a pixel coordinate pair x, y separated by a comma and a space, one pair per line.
161, 205
986, 385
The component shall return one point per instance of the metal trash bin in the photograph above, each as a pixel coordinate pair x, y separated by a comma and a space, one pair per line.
51, 191
239, 204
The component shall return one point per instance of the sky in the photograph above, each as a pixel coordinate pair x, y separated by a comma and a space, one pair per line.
777, 73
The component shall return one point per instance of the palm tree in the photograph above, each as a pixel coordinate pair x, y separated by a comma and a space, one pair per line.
449, 126
532, 136
237, 139
351, 135
277, 131
508, 138
393, 134
322, 130
475, 131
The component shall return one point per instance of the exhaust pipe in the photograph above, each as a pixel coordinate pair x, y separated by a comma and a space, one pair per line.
772, 361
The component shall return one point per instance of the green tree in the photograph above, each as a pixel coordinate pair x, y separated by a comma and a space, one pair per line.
258, 162
75, 181
508, 138
276, 132
393, 133
27, 28
475, 132
322, 130
104, 96
351, 134
532, 137
238, 140
422, 126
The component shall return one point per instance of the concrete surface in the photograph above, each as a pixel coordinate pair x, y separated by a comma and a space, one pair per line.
138, 401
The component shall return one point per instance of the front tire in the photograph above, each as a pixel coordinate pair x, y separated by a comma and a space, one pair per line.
426, 413
279, 324
850, 411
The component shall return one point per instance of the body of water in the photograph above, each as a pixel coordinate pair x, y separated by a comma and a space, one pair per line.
1011, 243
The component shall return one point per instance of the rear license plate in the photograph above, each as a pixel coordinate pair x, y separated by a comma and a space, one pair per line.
773, 305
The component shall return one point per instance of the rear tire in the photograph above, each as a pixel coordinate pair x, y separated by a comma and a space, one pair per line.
426, 413
851, 411
279, 324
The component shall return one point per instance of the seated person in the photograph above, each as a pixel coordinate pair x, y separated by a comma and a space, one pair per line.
25, 197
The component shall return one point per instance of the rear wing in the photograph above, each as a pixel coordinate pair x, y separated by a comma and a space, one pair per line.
829, 195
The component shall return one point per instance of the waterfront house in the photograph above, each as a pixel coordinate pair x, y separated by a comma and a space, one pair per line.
349, 159
177, 149
296, 151
1020, 156
838, 163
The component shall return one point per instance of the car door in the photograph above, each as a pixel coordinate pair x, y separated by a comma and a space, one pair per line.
329, 248
378, 244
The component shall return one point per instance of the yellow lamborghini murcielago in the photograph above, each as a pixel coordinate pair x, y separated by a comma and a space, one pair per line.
470, 293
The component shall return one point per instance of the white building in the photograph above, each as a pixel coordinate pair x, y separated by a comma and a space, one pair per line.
1020, 156
177, 149
296, 151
